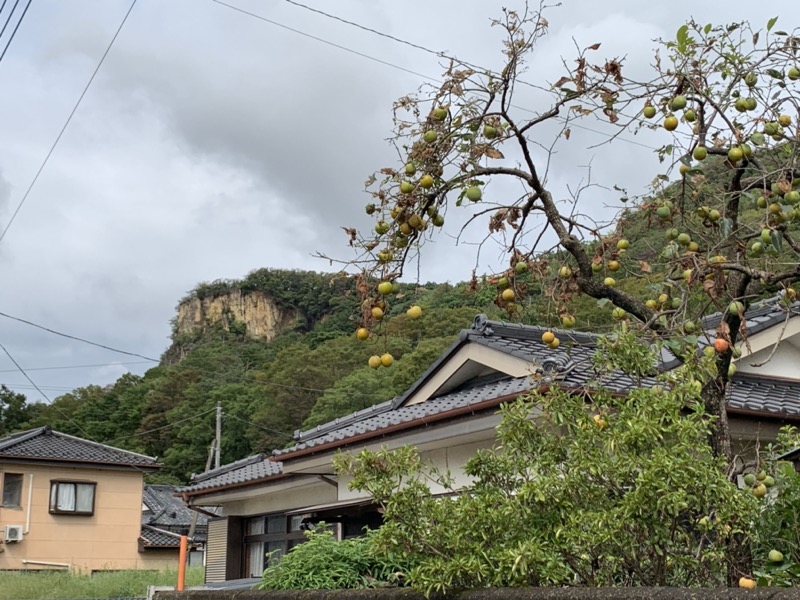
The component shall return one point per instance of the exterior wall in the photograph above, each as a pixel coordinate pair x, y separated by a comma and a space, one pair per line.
783, 364
106, 540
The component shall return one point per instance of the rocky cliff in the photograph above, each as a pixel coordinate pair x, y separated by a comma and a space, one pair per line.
254, 313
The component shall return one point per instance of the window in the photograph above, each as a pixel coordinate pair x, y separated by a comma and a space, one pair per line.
271, 535
72, 497
12, 490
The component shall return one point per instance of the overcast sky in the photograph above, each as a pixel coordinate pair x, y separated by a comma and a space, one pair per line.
212, 143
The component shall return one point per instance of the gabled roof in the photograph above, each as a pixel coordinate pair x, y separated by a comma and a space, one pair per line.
153, 538
166, 510
760, 315
247, 470
570, 364
763, 394
46, 445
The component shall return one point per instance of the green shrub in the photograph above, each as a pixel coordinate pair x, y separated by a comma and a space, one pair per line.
324, 563
778, 526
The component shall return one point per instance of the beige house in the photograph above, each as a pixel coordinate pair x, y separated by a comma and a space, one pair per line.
73, 504
450, 413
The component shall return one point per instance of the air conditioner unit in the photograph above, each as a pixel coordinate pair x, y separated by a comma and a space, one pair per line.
13, 533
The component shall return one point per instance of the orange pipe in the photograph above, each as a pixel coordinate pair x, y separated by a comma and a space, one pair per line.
182, 564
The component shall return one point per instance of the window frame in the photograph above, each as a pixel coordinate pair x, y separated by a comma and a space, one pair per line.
53, 506
289, 536
21, 480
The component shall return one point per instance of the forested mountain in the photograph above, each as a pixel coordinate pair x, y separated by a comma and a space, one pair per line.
309, 370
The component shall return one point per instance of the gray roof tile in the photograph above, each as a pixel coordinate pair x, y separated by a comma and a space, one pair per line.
571, 364
45, 444
166, 510
759, 316
153, 537
765, 394
250, 469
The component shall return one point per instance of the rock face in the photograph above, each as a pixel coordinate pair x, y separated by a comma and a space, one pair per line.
256, 311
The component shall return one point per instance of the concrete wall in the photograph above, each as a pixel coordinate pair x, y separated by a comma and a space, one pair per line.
494, 594
106, 540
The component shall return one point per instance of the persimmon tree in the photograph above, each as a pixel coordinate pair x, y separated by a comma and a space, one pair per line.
722, 98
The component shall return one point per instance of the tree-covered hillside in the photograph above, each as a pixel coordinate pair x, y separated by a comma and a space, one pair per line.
311, 374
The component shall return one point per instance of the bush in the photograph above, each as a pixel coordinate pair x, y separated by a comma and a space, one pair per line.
324, 563
778, 525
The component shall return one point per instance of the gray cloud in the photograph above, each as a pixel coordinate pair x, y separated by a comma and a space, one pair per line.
212, 143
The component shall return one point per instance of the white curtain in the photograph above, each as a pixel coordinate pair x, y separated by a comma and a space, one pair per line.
66, 496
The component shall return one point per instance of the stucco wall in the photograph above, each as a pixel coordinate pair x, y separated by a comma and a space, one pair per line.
106, 540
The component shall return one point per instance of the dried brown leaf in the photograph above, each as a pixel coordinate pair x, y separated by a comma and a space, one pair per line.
567, 132
614, 69
493, 152
644, 266
594, 46
562, 81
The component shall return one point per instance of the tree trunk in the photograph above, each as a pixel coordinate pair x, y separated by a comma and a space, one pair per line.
740, 556
714, 399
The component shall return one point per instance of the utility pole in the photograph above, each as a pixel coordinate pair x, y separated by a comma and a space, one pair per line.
213, 450
218, 438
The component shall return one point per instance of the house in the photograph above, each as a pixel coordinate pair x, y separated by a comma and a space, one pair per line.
70, 503
165, 518
449, 413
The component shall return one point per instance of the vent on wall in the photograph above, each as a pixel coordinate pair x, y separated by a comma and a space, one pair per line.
13, 533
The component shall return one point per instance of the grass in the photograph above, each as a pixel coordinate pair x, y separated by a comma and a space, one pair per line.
20, 585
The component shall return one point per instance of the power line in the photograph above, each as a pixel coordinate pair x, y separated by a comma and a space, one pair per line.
324, 41
38, 389
264, 427
22, 386
66, 124
78, 339
8, 20
13, 33
375, 31
167, 426
62, 367
413, 45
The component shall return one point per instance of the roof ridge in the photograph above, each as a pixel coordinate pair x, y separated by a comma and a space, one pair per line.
352, 417
20, 436
102, 445
237, 464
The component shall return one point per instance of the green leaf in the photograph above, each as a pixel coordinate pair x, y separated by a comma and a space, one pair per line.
726, 227
603, 302
777, 239
771, 23
682, 37
707, 29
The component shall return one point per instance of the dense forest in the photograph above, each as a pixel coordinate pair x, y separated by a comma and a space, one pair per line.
316, 369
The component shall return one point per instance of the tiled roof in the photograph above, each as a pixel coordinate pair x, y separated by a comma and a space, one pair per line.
759, 316
250, 469
153, 537
765, 394
571, 364
45, 444
406, 414
166, 510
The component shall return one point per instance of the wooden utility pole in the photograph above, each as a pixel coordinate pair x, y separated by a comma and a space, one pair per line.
218, 437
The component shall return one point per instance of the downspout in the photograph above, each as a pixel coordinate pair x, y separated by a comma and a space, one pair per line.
28, 511
46, 564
